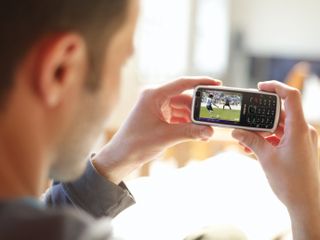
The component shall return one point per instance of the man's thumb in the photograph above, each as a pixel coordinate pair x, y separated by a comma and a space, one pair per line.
192, 131
250, 139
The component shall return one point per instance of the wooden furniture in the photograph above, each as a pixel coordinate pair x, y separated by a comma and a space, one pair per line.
298, 75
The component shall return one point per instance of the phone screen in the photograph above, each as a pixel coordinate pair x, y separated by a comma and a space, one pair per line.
220, 105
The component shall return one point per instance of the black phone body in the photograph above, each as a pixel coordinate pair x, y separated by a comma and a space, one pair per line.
247, 109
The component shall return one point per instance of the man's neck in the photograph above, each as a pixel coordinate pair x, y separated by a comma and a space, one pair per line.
21, 170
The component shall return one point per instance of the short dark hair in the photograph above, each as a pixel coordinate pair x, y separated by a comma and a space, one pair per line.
23, 22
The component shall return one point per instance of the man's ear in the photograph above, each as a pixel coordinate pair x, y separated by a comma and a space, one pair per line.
60, 64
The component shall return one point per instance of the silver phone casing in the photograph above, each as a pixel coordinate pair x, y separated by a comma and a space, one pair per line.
276, 121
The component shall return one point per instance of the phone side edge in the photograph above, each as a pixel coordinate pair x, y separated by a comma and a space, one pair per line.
278, 113
194, 103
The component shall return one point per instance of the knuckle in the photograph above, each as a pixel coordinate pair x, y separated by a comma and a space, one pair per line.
294, 93
274, 82
312, 129
303, 129
313, 132
180, 80
183, 81
146, 93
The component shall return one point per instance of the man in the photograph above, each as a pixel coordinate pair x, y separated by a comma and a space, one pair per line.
210, 103
227, 103
60, 64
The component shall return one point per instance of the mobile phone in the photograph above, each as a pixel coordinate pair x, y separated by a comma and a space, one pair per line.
247, 109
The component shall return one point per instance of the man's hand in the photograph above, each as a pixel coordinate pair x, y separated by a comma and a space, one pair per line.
291, 164
160, 119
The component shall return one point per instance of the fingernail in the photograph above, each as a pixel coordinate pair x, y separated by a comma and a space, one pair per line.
218, 81
206, 133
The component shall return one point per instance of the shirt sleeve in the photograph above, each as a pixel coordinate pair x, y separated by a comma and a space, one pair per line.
92, 193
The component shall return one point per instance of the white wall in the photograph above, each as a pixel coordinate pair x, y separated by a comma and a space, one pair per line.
286, 27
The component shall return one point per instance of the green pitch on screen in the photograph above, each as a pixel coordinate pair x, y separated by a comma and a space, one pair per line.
218, 113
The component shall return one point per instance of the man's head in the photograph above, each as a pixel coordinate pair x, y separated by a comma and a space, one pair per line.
60, 64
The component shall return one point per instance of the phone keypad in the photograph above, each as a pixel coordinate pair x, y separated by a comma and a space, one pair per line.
261, 111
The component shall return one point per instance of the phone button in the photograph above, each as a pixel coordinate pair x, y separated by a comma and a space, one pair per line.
252, 109
259, 110
268, 112
258, 120
251, 119
265, 102
268, 120
254, 100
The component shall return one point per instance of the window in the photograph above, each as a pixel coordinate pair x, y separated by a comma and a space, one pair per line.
182, 37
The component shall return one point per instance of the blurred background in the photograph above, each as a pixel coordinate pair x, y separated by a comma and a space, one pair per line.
240, 42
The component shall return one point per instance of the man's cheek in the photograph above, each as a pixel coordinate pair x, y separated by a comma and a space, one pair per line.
110, 95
